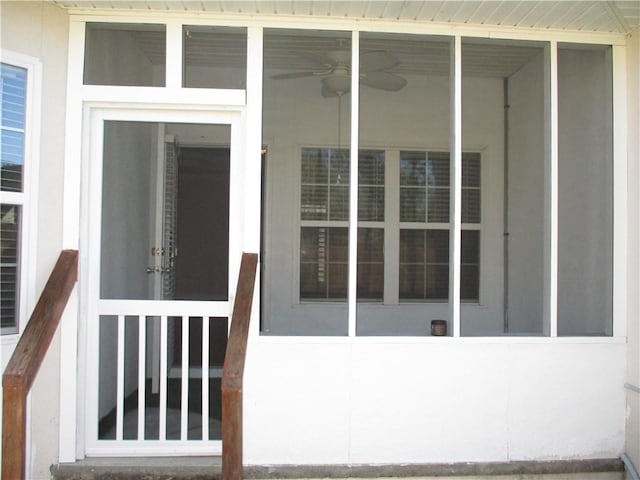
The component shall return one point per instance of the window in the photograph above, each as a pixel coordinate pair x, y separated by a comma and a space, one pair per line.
423, 203
125, 54
15, 78
214, 57
424, 226
324, 231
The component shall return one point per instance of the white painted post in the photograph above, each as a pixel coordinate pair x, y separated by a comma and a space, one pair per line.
173, 67
552, 279
69, 448
620, 193
455, 162
353, 185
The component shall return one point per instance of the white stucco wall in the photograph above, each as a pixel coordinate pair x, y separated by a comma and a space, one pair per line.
390, 401
40, 30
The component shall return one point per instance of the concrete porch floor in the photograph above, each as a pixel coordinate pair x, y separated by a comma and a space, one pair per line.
209, 468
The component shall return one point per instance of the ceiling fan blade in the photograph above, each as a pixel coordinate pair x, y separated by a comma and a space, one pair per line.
377, 60
285, 76
383, 81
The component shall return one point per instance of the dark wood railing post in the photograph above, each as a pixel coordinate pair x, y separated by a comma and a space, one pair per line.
233, 370
26, 360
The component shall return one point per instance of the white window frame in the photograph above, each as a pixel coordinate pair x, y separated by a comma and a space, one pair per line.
300, 223
28, 198
390, 225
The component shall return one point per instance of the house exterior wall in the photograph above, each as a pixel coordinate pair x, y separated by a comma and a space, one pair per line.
387, 400
381, 400
633, 332
40, 30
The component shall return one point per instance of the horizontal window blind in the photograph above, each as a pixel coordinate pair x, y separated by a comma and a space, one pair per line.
13, 88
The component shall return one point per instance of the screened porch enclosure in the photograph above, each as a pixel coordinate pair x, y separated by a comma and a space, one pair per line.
406, 180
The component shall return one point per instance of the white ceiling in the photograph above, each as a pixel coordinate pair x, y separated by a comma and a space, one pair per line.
620, 16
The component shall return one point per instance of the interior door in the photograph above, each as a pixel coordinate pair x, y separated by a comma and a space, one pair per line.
162, 277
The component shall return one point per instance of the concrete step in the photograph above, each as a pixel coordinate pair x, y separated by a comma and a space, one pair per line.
209, 468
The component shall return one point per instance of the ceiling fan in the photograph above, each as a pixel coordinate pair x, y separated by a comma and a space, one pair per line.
335, 71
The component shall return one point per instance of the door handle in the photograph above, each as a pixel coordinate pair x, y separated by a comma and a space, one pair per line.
151, 270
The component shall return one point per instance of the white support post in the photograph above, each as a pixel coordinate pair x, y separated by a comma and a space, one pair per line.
620, 193
456, 179
173, 66
253, 159
69, 328
353, 184
552, 241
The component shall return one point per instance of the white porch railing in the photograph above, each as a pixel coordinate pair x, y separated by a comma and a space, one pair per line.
142, 365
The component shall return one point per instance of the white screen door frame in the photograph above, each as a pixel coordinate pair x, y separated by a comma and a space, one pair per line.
93, 306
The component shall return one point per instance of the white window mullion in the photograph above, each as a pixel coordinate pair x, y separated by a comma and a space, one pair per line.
353, 183
552, 278
174, 55
456, 178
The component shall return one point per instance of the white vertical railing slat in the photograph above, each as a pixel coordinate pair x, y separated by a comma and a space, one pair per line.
163, 379
120, 380
142, 370
205, 378
184, 390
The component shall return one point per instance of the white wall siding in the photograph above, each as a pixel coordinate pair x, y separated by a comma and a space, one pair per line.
387, 401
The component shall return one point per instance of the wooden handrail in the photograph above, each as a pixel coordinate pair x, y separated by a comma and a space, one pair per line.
233, 370
26, 360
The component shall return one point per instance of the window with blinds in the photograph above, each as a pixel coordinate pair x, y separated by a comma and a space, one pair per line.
424, 226
324, 231
13, 83
422, 197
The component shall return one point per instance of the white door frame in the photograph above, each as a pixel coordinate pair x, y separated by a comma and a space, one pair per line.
91, 198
